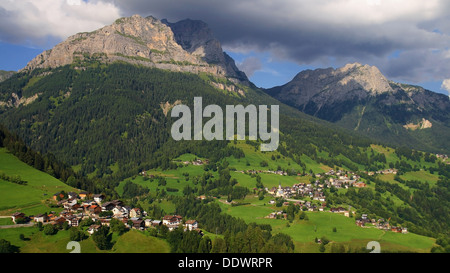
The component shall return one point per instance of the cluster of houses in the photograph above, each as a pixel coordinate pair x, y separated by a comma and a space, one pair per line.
315, 190
387, 171
309, 206
381, 223
197, 162
78, 207
443, 157
278, 172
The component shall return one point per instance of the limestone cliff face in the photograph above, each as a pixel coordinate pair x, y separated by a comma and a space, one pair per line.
348, 93
323, 86
186, 46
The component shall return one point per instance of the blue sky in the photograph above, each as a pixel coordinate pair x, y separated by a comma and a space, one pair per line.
272, 41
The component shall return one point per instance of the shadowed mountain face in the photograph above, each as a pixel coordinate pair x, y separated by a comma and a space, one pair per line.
185, 46
358, 97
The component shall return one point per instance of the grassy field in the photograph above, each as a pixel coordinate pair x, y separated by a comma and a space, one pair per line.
253, 158
37, 242
29, 198
320, 223
304, 232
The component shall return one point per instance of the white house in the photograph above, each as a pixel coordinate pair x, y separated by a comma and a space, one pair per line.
99, 198
191, 224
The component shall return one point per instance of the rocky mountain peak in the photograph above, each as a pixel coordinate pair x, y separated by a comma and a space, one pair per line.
368, 77
186, 46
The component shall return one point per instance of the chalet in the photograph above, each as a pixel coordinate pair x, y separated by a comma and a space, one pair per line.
58, 196
59, 221
272, 215
108, 206
62, 202
99, 198
72, 195
17, 215
69, 203
117, 202
148, 222
65, 213
120, 212
52, 217
172, 220
191, 224
73, 221
360, 185
74, 207
135, 213
94, 209
83, 195
105, 222
156, 223
272, 191
41, 218
138, 223
93, 228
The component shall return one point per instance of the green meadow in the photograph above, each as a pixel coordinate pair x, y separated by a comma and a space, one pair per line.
321, 224
303, 232
30, 198
35, 241
254, 157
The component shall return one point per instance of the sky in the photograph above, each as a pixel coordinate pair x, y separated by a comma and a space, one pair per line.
271, 41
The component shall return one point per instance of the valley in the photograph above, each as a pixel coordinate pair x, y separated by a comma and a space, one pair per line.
87, 154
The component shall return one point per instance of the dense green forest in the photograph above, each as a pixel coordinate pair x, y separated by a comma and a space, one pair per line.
107, 115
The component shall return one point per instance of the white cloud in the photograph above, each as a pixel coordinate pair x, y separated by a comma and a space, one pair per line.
319, 32
250, 65
446, 85
33, 22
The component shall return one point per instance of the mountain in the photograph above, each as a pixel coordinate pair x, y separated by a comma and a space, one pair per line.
4, 75
99, 101
360, 98
185, 46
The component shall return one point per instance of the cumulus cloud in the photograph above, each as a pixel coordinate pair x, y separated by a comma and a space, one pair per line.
38, 22
250, 65
314, 33
324, 32
446, 85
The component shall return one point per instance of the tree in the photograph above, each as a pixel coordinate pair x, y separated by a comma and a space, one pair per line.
76, 234
50, 230
6, 247
205, 245
102, 238
219, 245
117, 226
86, 222
322, 247
261, 195
65, 226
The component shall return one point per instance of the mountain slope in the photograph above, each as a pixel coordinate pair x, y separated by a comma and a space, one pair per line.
359, 98
4, 75
148, 42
